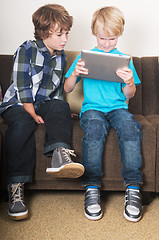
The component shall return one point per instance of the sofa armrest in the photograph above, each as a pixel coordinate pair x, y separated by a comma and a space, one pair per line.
148, 150
154, 120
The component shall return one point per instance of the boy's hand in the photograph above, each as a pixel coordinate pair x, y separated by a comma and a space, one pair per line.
71, 81
80, 69
127, 75
30, 109
38, 119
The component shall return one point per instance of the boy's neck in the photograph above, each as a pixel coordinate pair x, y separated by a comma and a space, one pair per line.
103, 50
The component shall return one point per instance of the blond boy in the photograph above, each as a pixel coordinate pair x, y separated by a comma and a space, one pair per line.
105, 106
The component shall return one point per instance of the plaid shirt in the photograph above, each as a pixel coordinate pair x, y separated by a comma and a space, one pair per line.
37, 76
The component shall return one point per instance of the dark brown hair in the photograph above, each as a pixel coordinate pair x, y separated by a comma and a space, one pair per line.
47, 16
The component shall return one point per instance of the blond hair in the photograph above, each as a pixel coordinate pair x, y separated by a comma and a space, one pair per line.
111, 18
47, 16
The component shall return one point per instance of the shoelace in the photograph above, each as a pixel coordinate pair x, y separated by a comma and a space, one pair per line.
16, 192
66, 153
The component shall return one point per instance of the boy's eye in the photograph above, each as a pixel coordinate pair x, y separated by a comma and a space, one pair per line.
110, 39
60, 34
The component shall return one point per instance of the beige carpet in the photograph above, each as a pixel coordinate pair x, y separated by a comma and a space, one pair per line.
59, 215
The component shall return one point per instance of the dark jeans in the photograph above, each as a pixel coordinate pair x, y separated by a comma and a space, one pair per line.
20, 139
96, 126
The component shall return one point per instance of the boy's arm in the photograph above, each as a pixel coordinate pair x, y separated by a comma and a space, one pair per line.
127, 75
23, 81
30, 109
129, 90
71, 80
70, 83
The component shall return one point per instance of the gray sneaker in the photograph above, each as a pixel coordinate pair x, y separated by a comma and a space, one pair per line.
62, 166
92, 204
133, 205
17, 209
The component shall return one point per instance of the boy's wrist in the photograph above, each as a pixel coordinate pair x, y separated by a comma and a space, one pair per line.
131, 84
74, 74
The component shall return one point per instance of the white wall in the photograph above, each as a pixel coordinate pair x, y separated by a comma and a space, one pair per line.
141, 36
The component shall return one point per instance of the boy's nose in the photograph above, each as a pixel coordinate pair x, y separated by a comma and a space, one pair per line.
107, 42
65, 37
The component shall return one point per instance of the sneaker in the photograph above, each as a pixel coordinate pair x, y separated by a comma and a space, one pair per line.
17, 209
62, 166
133, 205
92, 204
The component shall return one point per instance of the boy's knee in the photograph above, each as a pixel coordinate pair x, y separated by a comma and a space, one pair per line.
65, 110
94, 129
130, 130
60, 106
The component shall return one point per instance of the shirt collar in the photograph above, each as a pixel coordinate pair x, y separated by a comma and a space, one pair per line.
43, 48
99, 50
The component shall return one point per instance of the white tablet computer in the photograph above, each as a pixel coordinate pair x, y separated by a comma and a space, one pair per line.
103, 65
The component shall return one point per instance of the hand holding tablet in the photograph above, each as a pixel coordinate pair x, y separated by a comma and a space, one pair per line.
103, 66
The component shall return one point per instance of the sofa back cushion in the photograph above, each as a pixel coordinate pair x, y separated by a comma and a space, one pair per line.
135, 103
146, 98
150, 76
75, 98
6, 65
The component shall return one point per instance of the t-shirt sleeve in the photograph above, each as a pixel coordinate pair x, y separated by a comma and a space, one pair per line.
72, 68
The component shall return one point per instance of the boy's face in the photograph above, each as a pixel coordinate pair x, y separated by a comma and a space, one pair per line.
105, 43
57, 39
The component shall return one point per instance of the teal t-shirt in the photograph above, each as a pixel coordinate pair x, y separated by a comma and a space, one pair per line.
102, 95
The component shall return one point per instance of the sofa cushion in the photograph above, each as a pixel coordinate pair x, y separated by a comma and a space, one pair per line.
112, 165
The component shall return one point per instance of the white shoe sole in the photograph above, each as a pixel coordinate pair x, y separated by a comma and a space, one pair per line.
131, 219
93, 218
18, 216
71, 170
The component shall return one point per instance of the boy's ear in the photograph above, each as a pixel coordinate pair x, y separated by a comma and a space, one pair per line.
50, 31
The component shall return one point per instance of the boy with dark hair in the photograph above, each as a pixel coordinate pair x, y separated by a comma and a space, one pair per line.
105, 106
36, 97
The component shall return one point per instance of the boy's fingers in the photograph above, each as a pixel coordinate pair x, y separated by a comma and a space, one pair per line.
126, 69
81, 63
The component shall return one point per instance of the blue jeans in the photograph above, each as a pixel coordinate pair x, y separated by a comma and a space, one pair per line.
96, 126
